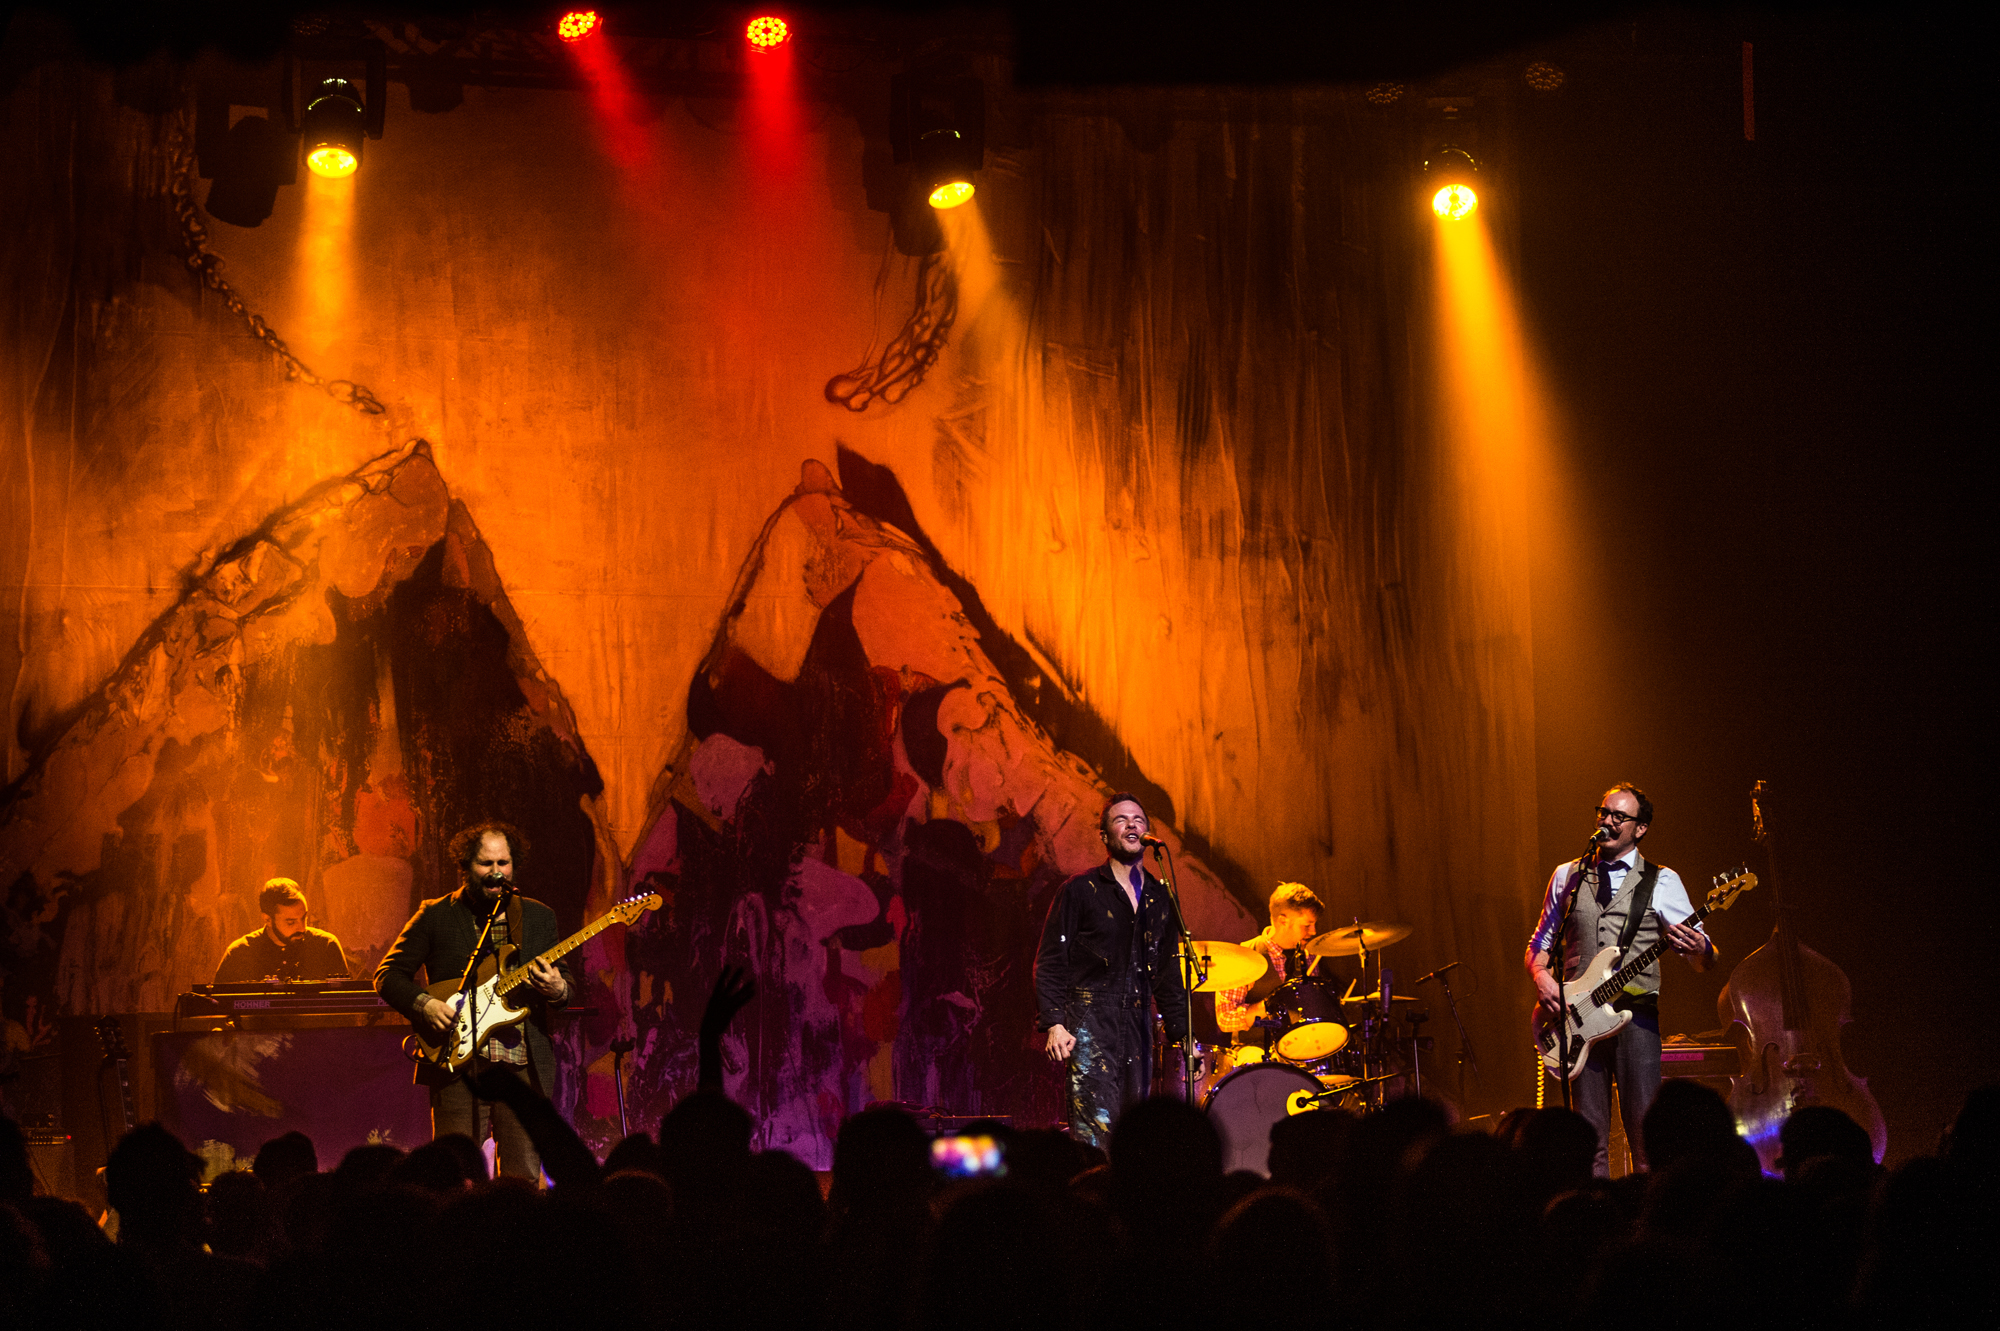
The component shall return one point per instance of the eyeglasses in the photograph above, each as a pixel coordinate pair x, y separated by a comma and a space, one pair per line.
1618, 819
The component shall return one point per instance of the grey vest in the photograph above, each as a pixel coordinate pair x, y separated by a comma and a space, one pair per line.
1592, 929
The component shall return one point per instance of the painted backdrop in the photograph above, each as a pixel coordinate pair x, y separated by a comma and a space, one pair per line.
1168, 512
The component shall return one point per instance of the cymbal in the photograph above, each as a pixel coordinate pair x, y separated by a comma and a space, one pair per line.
1229, 965
1372, 936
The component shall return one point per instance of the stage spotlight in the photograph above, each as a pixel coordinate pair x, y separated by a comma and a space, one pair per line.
942, 166
1543, 76
1453, 174
334, 127
767, 32
950, 194
1454, 203
938, 125
577, 24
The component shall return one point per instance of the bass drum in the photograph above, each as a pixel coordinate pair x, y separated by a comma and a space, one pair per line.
1244, 1106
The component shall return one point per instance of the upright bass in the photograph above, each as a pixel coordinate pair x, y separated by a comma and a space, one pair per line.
1784, 1006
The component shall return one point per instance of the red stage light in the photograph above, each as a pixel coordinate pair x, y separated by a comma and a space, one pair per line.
577, 24
767, 32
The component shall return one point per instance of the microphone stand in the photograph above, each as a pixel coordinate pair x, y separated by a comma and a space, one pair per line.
620, 1048
468, 984
1590, 864
1465, 1052
1193, 972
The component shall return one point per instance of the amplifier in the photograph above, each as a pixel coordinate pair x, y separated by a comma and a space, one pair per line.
1688, 1059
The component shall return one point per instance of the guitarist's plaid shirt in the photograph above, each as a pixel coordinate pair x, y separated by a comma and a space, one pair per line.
508, 1044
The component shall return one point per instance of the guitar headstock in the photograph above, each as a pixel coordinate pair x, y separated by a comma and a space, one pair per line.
1728, 887
632, 908
111, 1039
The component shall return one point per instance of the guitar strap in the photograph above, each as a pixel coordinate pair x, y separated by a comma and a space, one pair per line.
1642, 904
519, 938
517, 934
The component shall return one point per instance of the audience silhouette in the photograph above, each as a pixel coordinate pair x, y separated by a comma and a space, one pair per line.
1390, 1220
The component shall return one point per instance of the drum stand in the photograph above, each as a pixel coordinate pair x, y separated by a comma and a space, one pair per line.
1377, 1005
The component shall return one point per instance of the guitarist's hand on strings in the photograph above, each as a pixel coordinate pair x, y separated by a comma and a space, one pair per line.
437, 1013
1690, 944
548, 981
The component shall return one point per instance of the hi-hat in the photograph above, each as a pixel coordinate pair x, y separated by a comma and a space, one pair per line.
1229, 965
1355, 939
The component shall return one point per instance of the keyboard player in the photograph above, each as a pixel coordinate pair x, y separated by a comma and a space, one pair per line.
286, 948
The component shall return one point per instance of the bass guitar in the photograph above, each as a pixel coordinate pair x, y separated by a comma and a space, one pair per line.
1587, 1013
503, 994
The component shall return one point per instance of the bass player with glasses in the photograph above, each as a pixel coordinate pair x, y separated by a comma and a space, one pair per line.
1625, 901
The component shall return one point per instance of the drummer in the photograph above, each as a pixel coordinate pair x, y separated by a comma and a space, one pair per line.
1295, 917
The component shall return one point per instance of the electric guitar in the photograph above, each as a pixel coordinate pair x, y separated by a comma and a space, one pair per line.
504, 993
1587, 1014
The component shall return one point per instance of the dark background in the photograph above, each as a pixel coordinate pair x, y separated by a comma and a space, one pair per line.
1768, 354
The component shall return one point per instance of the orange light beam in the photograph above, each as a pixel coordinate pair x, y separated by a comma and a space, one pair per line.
324, 275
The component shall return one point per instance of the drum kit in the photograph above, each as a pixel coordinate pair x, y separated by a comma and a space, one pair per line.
1311, 1045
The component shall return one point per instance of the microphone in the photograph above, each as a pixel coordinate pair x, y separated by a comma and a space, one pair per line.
1433, 975
1600, 836
1150, 840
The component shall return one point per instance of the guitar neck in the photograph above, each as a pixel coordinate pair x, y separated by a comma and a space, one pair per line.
116, 1056
1611, 988
519, 975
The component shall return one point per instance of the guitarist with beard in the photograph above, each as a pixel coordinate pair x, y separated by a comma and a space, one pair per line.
439, 938
1622, 900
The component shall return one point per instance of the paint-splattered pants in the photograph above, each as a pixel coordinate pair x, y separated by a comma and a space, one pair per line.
1111, 1067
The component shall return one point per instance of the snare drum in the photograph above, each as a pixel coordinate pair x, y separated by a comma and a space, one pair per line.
1316, 1030
1307, 1042
1245, 1105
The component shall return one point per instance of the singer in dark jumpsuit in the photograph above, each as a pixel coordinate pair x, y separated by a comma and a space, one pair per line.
1107, 957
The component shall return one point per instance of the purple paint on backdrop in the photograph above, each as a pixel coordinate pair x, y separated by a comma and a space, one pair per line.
343, 1087
722, 769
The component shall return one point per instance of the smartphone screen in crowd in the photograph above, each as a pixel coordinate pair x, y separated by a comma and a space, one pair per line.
968, 1155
